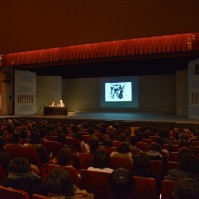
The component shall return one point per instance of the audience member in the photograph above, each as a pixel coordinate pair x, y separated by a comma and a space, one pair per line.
188, 167
58, 184
141, 167
101, 161
123, 151
93, 145
4, 157
132, 145
21, 177
186, 188
121, 184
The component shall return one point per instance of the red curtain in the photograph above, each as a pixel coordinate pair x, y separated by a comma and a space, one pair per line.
121, 48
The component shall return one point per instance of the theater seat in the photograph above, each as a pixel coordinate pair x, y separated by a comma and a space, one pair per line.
85, 160
117, 162
145, 188
167, 189
95, 182
10, 193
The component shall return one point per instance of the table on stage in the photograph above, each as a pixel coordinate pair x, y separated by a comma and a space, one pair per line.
55, 110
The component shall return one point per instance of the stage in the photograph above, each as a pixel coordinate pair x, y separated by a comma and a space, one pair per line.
130, 118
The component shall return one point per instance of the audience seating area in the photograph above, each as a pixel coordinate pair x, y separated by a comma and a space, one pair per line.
95, 182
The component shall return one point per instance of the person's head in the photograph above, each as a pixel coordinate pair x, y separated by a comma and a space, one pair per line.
15, 138
189, 163
61, 137
184, 150
65, 157
2, 143
123, 147
101, 159
141, 161
121, 183
186, 188
122, 137
163, 133
133, 140
155, 146
19, 165
94, 144
58, 182
183, 136
35, 138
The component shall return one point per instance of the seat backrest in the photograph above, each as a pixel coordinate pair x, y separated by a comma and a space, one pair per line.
53, 147
109, 149
167, 189
30, 153
158, 167
145, 188
117, 162
95, 182
173, 156
85, 160
10, 193
73, 143
38, 196
2, 174
71, 171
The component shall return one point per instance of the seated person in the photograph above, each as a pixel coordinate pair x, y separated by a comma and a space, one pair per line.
21, 177
188, 167
123, 151
186, 188
4, 157
35, 141
101, 161
93, 145
132, 145
141, 167
121, 184
58, 184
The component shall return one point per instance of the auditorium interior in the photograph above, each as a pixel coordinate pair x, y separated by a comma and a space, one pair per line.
131, 65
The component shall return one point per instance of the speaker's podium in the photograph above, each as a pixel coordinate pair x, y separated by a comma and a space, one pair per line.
55, 110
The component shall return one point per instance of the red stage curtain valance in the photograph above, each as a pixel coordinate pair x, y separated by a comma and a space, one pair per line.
130, 47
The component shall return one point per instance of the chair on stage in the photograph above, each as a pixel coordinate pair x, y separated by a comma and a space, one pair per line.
145, 188
71, 171
10, 193
95, 182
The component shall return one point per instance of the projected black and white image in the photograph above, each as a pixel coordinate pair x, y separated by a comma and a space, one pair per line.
118, 91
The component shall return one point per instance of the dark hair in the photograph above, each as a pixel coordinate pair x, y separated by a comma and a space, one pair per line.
141, 161
133, 140
123, 147
189, 163
35, 138
155, 146
61, 137
19, 165
183, 150
15, 138
101, 159
94, 144
58, 181
121, 183
186, 188
65, 157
